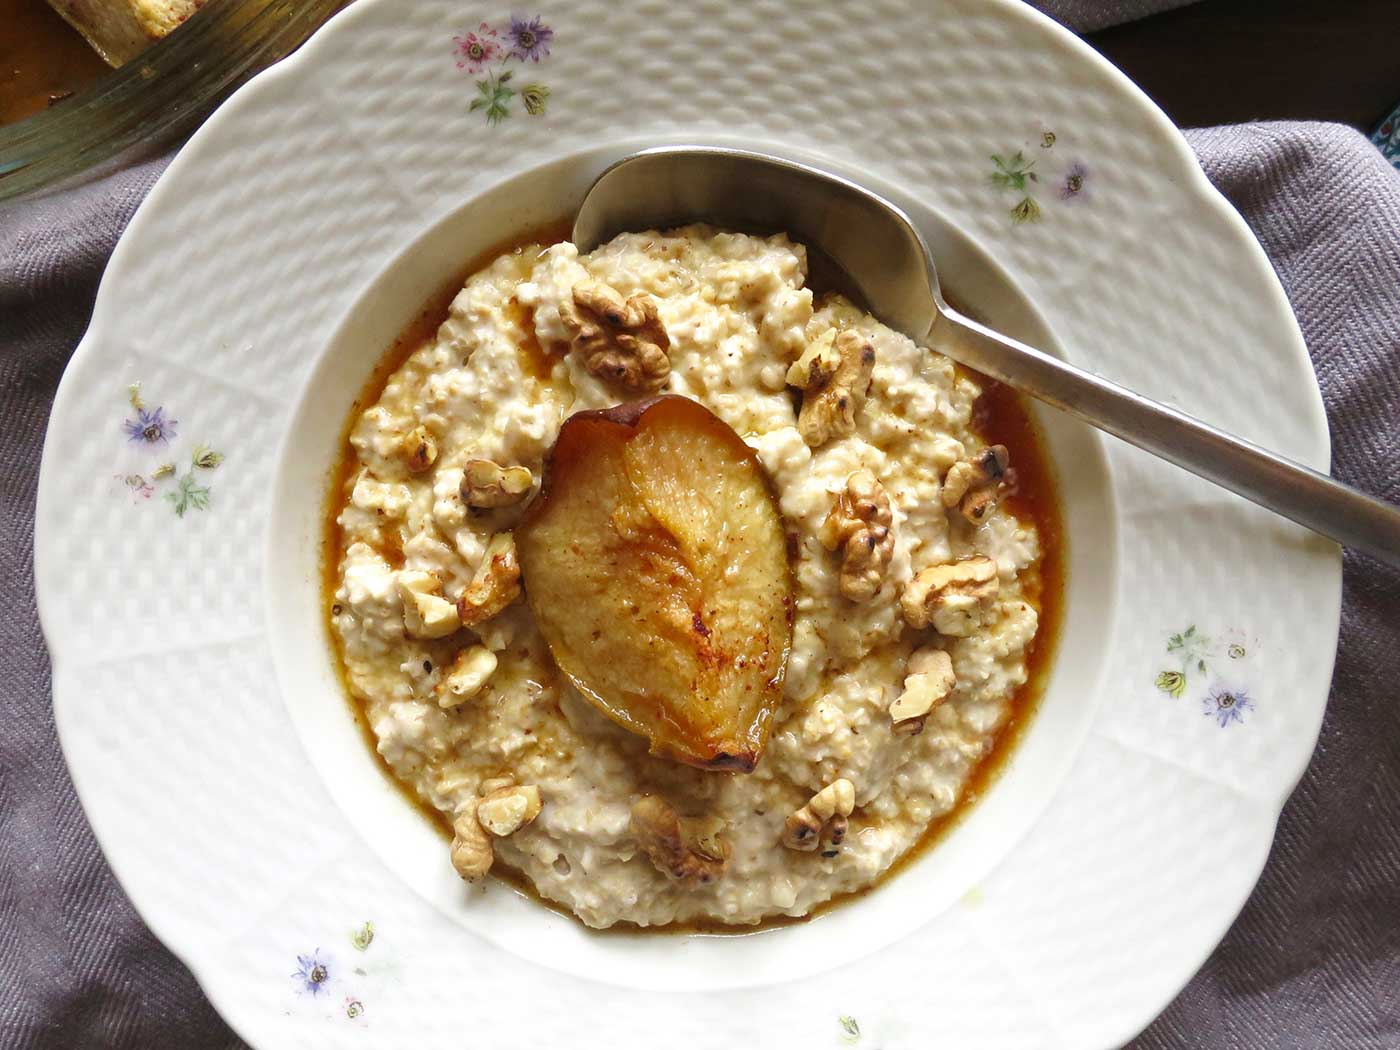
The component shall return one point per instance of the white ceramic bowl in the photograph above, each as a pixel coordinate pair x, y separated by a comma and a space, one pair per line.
414, 851
312, 217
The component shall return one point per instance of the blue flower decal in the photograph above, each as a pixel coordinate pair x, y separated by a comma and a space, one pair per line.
1226, 705
150, 427
312, 971
529, 39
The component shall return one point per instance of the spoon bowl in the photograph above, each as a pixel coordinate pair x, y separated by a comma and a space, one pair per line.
873, 242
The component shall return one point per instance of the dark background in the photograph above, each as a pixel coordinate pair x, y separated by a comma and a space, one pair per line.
1226, 61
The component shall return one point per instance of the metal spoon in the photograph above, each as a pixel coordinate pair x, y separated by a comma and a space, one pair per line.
875, 243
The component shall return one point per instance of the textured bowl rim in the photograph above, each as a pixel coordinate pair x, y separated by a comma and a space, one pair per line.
1182, 161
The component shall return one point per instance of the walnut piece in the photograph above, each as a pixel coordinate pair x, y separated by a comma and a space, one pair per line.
418, 450
495, 584
426, 613
955, 598
860, 524
834, 375
822, 821
506, 810
472, 853
467, 676
689, 850
833, 834
973, 484
486, 484
621, 341
928, 680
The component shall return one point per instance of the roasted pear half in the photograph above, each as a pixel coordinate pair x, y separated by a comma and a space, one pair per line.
655, 563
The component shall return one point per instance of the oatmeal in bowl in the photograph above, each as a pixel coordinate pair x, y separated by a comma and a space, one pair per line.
684, 593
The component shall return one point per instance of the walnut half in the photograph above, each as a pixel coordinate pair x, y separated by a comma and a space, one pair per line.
506, 810
860, 524
973, 484
689, 850
418, 450
928, 680
486, 484
472, 852
426, 613
494, 586
834, 375
467, 676
621, 341
822, 821
955, 598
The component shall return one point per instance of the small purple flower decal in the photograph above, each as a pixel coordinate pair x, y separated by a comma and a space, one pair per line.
529, 40
312, 971
153, 427
476, 50
1227, 705
1073, 184
150, 427
1198, 658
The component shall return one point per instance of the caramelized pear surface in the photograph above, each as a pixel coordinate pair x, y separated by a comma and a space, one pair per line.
655, 563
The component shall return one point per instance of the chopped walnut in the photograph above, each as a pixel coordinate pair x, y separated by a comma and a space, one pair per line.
955, 598
491, 784
426, 613
833, 834
472, 853
486, 484
702, 835
834, 375
495, 585
506, 810
973, 484
467, 676
622, 341
861, 525
822, 821
418, 450
817, 364
928, 680
689, 850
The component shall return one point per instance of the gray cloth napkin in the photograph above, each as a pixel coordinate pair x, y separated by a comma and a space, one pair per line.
1312, 962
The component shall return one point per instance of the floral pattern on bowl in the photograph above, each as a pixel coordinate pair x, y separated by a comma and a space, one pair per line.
1197, 657
1018, 173
487, 51
152, 427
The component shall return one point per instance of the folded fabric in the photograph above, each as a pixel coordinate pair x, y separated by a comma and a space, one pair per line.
1313, 961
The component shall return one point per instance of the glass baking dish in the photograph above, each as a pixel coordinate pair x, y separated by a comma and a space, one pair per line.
157, 97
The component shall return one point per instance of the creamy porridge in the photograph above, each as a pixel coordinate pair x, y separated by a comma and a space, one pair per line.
913, 595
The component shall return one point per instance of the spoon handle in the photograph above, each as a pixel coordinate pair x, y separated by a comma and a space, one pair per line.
1313, 500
